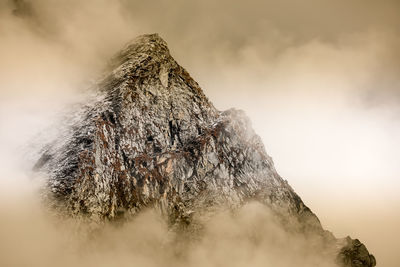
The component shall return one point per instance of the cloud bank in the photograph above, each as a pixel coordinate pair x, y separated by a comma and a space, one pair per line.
319, 79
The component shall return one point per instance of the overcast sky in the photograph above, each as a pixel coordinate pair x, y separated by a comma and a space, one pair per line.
319, 79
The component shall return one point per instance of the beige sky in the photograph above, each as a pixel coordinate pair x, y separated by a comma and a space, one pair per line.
319, 79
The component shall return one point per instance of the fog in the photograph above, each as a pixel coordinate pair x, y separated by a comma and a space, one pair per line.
319, 80
249, 236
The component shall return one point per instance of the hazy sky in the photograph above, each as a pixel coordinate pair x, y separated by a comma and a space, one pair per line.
319, 79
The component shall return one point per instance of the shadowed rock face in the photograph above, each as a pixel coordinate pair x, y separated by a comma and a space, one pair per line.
151, 137
355, 254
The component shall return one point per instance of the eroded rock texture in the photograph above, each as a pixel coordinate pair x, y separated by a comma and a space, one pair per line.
152, 138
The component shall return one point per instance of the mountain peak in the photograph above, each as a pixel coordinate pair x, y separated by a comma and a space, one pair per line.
152, 40
155, 139
145, 55
149, 44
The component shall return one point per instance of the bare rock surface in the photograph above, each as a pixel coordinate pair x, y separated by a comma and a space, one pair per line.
151, 137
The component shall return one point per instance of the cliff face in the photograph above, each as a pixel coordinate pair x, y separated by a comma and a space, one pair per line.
152, 138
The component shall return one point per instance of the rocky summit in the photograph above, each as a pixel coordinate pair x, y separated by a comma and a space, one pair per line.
151, 138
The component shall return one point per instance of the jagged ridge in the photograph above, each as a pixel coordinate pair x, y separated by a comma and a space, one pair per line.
151, 137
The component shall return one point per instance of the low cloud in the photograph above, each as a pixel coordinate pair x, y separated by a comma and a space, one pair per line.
250, 236
319, 79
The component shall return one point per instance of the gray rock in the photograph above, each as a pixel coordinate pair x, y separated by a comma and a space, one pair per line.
355, 254
151, 137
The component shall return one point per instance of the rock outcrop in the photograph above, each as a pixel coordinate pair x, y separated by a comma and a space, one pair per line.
152, 138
